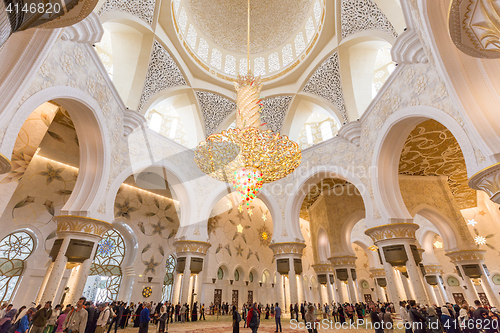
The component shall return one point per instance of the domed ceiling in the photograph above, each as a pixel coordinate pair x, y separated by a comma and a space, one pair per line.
224, 22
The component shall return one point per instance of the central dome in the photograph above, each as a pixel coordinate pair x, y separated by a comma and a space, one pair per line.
224, 22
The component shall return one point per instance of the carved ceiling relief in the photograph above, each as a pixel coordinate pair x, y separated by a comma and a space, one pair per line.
216, 17
143, 9
431, 150
361, 15
315, 191
326, 83
215, 108
163, 73
475, 27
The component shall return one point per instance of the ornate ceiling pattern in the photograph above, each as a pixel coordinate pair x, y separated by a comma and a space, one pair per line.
143, 9
326, 83
361, 15
215, 18
315, 191
163, 73
274, 111
214, 109
431, 150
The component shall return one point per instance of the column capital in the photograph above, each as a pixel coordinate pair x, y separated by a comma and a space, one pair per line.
346, 261
488, 180
466, 255
377, 272
392, 231
72, 224
288, 248
433, 269
4, 164
191, 247
323, 268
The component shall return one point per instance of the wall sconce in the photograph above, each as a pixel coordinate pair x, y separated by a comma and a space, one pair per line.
150, 279
272, 285
246, 283
213, 280
372, 289
231, 281
260, 284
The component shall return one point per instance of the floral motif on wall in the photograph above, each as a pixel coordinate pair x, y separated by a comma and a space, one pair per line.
431, 150
156, 218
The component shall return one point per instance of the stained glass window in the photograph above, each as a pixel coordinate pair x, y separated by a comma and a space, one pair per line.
203, 49
236, 275
216, 60
274, 62
250, 277
14, 250
259, 66
191, 36
183, 20
300, 44
168, 281
287, 55
309, 28
230, 65
105, 274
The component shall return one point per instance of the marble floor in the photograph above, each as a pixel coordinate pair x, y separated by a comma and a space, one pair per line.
223, 325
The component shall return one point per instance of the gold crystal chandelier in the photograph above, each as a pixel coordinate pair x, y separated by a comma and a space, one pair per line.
248, 156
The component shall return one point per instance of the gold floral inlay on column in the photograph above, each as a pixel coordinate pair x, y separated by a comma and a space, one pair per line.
392, 231
80, 224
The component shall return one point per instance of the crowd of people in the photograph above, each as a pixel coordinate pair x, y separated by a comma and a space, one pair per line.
86, 317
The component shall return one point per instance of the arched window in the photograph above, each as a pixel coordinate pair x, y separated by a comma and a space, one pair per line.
230, 65
155, 122
168, 281
310, 28
191, 36
14, 250
216, 59
274, 62
326, 130
203, 49
259, 66
300, 44
287, 54
105, 274
243, 67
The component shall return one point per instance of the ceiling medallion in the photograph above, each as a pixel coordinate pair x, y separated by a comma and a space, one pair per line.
248, 156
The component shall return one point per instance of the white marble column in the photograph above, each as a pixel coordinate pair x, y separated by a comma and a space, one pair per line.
177, 288
44, 283
352, 288
442, 291
280, 289
292, 280
186, 277
404, 281
56, 274
415, 275
488, 288
81, 277
338, 284
329, 289
470, 292
432, 295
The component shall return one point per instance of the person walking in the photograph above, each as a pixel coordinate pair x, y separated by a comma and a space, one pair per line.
76, 322
61, 319
311, 320
202, 311
40, 318
51, 322
236, 320
277, 317
144, 319
23, 320
253, 319
102, 320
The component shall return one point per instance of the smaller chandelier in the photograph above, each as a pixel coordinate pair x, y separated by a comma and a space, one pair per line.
373, 248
